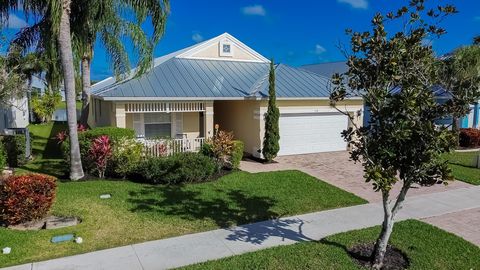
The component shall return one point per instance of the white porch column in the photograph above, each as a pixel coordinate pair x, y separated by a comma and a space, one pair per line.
120, 117
208, 119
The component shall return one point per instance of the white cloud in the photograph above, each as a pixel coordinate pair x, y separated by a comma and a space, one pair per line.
197, 37
255, 10
15, 22
361, 4
319, 49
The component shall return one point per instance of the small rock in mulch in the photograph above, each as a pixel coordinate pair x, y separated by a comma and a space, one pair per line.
395, 259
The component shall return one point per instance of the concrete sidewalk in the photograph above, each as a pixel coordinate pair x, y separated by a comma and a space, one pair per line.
200, 247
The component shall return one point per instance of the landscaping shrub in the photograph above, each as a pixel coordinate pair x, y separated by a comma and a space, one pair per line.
100, 153
219, 147
3, 158
44, 106
469, 137
126, 155
26, 197
179, 168
15, 147
207, 149
237, 154
85, 139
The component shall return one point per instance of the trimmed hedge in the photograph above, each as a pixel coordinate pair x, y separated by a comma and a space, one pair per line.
237, 154
15, 147
3, 158
469, 137
26, 197
177, 169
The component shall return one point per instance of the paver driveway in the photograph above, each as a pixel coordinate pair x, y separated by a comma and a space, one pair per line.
465, 224
336, 168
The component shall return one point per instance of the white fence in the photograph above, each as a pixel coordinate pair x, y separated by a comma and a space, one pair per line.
165, 147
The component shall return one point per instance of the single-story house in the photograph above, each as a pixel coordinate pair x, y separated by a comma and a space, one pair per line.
222, 81
472, 120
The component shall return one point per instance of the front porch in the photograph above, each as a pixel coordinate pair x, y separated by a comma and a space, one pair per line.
171, 126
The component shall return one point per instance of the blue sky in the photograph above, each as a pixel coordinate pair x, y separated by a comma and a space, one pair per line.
292, 32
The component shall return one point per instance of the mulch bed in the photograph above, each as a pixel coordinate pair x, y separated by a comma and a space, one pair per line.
259, 160
395, 259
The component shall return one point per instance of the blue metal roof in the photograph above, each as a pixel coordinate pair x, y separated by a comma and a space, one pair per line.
214, 79
327, 69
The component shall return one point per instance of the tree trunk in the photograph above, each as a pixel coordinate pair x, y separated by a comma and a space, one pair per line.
387, 225
66, 57
86, 90
29, 100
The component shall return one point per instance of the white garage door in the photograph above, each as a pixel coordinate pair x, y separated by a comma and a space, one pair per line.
311, 133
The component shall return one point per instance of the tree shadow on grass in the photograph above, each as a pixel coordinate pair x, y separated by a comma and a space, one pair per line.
226, 208
52, 148
47, 153
229, 208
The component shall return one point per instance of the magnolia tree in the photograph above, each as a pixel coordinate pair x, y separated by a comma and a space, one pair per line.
396, 75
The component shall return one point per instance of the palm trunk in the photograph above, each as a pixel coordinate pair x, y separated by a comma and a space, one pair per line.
387, 225
66, 57
86, 90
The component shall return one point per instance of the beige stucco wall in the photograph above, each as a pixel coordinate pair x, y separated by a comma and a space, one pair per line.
101, 113
213, 51
241, 117
246, 117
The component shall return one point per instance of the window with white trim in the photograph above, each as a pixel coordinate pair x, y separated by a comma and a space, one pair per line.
157, 125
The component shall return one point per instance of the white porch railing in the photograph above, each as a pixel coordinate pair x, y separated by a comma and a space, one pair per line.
166, 147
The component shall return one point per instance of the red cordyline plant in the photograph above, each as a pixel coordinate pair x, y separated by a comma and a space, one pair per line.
81, 128
100, 153
63, 135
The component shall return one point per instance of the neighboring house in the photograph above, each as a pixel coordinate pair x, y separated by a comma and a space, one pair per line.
472, 120
222, 81
14, 115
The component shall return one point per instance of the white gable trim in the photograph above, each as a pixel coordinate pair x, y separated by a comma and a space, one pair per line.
189, 53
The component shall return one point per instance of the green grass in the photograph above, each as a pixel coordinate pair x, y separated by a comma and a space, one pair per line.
427, 247
141, 212
63, 105
47, 156
463, 166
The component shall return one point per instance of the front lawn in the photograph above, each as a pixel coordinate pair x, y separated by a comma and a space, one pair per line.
427, 247
46, 153
141, 212
463, 166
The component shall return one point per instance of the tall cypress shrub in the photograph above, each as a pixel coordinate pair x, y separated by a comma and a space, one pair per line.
272, 133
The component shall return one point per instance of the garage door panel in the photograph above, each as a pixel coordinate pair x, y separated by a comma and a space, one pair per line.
311, 133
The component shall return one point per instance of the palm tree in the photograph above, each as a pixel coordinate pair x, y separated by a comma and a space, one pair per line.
102, 19
54, 29
66, 57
